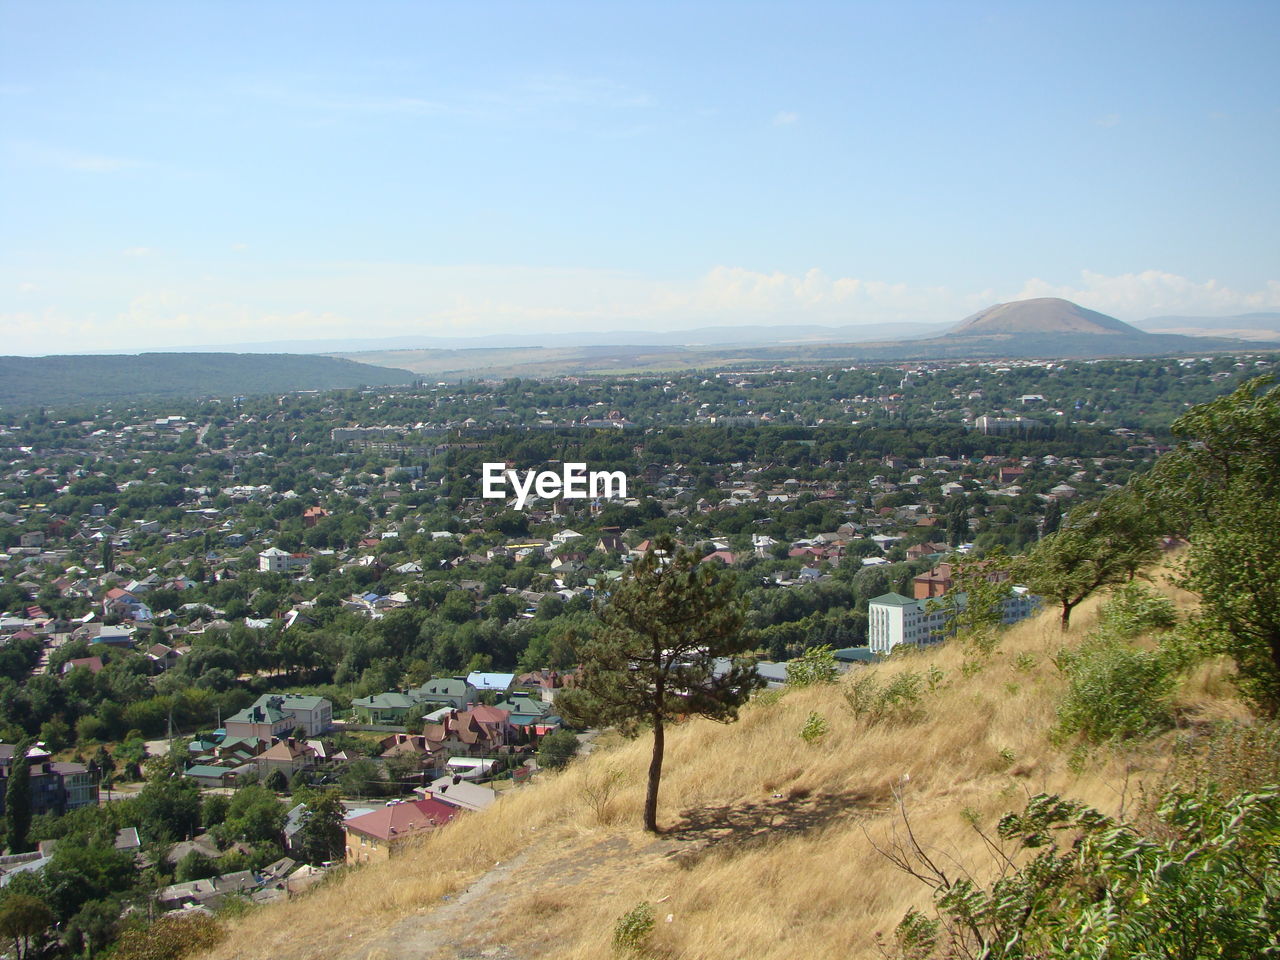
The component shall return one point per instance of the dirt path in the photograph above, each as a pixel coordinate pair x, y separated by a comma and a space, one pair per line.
469, 925
449, 928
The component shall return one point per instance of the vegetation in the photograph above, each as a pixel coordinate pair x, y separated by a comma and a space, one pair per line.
660, 653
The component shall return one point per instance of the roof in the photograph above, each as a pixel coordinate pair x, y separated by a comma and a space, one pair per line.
445, 686
402, 819
385, 701
288, 701
206, 772
457, 792
491, 681
256, 714
893, 600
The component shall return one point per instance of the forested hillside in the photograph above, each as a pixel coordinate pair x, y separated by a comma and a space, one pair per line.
41, 381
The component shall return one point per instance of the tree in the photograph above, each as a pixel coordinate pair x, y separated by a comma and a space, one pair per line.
1220, 488
321, 839
17, 800
974, 606
1103, 544
24, 919
557, 749
1234, 567
664, 650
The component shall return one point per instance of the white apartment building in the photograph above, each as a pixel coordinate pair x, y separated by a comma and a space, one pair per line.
893, 619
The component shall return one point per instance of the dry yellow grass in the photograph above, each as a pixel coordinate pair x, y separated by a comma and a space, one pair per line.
768, 851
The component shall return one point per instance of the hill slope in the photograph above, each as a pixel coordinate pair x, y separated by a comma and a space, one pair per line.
1042, 315
35, 381
768, 852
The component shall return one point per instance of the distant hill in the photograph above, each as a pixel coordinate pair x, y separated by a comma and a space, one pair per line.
751, 335
38, 381
1245, 326
1042, 315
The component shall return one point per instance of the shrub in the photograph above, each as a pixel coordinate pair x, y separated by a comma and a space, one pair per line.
557, 749
633, 928
170, 938
898, 699
1114, 691
814, 729
817, 665
1134, 609
1197, 884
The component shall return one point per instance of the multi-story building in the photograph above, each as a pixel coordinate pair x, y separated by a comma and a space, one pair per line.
56, 786
893, 619
275, 715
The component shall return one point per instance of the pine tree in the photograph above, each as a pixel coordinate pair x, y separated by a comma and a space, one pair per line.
664, 650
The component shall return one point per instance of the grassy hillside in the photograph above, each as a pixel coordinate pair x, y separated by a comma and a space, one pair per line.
37, 381
769, 850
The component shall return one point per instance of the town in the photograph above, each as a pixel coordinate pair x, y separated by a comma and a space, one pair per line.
248, 639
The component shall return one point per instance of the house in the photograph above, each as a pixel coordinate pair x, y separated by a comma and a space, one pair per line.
208, 775
56, 786
389, 708
275, 560
456, 791
162, 656
92, 664
260, 723
385, 833
313, 515
476, 732
494, 682
288, 756
453, 692
531, 717
114, 636
313, 714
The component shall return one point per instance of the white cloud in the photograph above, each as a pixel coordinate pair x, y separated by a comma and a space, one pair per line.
785, 118
1134, 296
350, 300
138, 251
1108, 120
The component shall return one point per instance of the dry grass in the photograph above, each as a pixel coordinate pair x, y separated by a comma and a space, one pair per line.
768, 846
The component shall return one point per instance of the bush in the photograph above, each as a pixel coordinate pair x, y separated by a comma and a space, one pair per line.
1198, 883
814, 729
170, 938
1115, 692
817, 665
1134, 609
557, 749
897, 699
633, 928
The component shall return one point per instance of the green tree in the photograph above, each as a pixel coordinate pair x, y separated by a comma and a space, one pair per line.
321, 839
664, 649
974, 606
557, 749
1068, 566
1234, 566
24, 922
17, 800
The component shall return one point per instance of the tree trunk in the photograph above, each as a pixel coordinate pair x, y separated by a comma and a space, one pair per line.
1066, 616
655, 777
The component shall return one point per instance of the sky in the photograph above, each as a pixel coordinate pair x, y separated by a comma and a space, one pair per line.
200, 173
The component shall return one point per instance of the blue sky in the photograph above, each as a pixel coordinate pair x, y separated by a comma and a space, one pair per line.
196, 173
